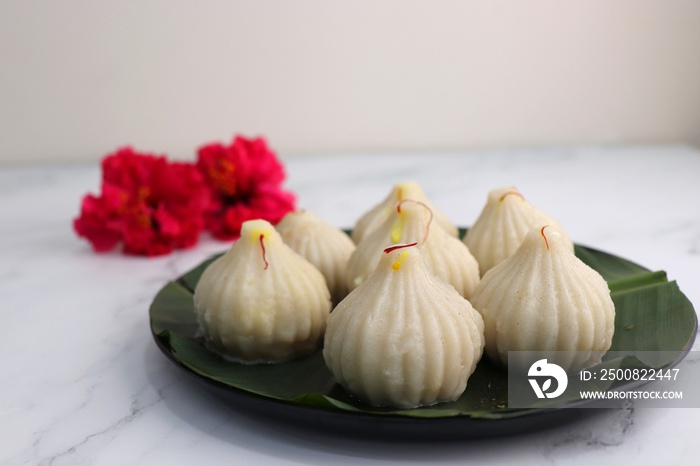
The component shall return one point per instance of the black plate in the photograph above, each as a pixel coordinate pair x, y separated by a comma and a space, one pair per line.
303, 392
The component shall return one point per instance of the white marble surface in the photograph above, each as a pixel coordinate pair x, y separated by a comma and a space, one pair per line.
83, 382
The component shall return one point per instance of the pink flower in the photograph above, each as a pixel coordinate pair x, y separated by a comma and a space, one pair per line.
244, 182
148, 204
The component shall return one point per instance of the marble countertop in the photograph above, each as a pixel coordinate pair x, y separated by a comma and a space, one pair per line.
84, 383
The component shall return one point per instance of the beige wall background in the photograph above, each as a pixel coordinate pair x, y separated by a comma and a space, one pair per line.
81, 78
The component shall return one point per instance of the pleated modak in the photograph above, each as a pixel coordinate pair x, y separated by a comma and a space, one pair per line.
411, 221
261, 302
501, 226
404, 338
325, 246
543, 298
379, 213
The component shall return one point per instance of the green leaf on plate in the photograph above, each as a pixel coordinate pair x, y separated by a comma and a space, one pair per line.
610, 267
638, 281
653, 318
173, 310
651, 314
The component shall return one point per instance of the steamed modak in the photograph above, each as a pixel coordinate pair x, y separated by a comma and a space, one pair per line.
501, 226
411, 222
261, 302
379, 213
545, 299
325, 246
403, 338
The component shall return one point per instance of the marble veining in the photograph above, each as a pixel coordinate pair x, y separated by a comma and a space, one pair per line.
83, 382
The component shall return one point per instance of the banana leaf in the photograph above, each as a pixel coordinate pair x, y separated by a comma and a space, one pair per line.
651, 314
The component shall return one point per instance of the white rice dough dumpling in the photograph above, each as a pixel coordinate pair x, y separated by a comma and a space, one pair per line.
322, 244
404, 338
261, 302
501, 226
544, 298
378, 214
411, 222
